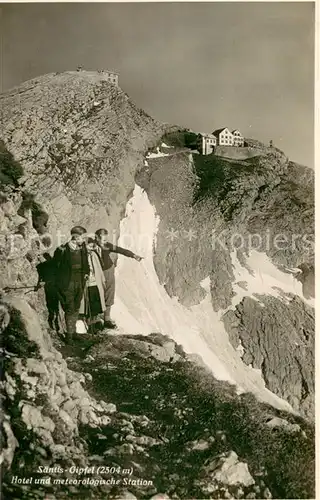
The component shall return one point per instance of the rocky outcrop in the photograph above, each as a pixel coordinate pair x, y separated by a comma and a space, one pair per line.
158, 347
122, 419
80, 140
18, 243
182, 241
307, 277
45, 376
226, 471
211, 208
278, 339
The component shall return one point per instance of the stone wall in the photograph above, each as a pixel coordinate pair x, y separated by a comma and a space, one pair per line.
237, 153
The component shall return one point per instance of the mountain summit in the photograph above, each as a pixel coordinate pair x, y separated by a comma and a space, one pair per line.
215, 355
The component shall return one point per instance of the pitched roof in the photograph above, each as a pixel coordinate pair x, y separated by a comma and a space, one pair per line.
219, 130
236, 130
206, 134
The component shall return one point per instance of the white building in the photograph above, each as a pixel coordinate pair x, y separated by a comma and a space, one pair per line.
206, 143
223, 136
238, 139
111, 76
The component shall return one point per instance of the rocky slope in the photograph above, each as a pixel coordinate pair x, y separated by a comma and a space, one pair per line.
82, 145
132, 417
80, 140
215, 214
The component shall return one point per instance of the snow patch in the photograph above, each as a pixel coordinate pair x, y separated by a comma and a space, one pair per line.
262, 277
158, 154
205, 284
164, 145
240, 349
142, 306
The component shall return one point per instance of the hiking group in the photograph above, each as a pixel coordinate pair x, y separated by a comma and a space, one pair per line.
80, 276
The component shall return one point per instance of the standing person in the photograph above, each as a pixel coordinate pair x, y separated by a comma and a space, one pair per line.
94, 293
47, 277
72, 271
103, 248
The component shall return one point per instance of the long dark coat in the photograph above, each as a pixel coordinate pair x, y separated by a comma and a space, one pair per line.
62, 265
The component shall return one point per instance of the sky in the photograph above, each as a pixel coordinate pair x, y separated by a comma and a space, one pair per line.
243, 65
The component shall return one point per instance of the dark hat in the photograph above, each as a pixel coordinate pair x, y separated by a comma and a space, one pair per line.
99, 232
79, 230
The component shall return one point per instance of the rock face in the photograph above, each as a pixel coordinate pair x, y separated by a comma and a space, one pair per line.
270, 331
214, 205
213, 212
80, 141
307, 278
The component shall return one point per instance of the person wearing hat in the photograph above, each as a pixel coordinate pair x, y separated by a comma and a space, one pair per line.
103, 249
72, 271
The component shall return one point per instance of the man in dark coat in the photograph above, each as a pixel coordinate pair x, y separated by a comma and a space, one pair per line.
103, 249
72, 271
47, 277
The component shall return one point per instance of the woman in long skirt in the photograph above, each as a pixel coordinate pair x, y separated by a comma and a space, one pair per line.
94, 301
